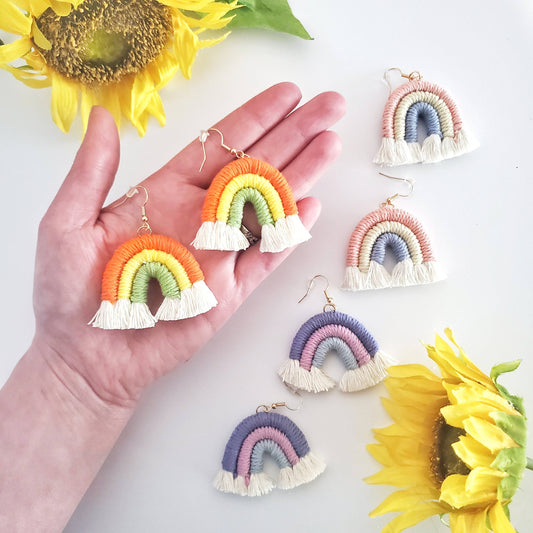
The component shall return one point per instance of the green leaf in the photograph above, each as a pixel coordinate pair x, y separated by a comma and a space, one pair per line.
272, 14
514, 425
503, 368
512, 461
496, 372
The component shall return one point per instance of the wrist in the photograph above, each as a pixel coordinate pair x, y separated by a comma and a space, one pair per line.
69, 389
55, 433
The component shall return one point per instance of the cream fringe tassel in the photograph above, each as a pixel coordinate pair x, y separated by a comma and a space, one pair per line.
394, 152
405, 274
305, 470
124, 314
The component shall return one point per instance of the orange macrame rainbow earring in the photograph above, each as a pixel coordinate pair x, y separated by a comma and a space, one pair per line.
128, 273
248, 180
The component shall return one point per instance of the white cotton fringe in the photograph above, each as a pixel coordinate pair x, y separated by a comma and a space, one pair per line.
140, 316
220, 236
394, 152
311, 381
305, 470
123, 315
405, 274
260, 484
286, 232
367, 375
225, 482
193, 301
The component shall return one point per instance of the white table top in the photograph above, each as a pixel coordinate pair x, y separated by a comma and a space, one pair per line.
476, 208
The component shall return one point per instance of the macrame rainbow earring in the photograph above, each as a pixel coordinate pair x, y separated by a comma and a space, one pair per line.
134, 263
390, 228
248, 180
266, 432
421, 100
332, 331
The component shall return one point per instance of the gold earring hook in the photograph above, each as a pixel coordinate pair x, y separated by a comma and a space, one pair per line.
412, 76
410, 182
239, 154
330, 305
264, 408
144, 227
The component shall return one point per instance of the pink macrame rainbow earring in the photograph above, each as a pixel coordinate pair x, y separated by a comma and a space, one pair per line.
248, 180
126, 277
414, 101
390, 228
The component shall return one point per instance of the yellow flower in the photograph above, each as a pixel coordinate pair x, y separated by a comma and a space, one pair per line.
457, 444
114, 53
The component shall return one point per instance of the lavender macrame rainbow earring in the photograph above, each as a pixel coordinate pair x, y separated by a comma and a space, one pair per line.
414, 101
390, 228
332, 331
266, 432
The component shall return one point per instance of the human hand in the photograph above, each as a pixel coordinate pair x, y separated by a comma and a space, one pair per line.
77, 238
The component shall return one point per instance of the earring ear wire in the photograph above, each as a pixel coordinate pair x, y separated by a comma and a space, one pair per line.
410, 182
330, 305
204, 134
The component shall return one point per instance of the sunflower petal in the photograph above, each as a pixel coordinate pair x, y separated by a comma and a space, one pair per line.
486, 433
15, 50
64, 103
186, 47
61, 8
413, 516
28, 78
469, 522
155, 108
87, 102
498, 519
478, 488
38, 38
402, 476
404, 499
472, 453
13, 20
407, 371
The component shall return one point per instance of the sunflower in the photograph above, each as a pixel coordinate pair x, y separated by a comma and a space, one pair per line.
114, 53
457, 445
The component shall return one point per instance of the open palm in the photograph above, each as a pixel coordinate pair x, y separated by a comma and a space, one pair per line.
77, 237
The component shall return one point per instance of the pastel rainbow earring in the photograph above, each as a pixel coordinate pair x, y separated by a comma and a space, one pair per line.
338, 333
421, 101
248, 180
128, 273
266, 432
390, 229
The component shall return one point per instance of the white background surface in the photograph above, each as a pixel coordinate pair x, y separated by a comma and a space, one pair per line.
476, 208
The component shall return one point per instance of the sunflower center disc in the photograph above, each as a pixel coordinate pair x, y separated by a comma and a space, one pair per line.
444, 461
102, 41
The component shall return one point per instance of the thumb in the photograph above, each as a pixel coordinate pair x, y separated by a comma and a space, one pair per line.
82, 194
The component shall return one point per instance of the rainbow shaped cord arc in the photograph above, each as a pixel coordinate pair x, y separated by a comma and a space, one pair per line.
242, 464
125, 284
327, 332
389, 228
249, 180
446, 135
